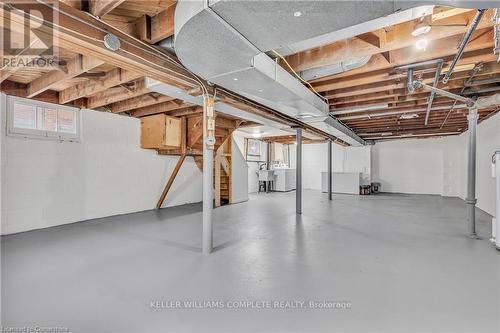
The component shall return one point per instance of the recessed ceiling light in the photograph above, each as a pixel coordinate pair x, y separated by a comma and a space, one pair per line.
260, 90
297, 14
422, 44
420, 29
235, 79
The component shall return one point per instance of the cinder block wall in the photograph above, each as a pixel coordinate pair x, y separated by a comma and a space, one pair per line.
47, 183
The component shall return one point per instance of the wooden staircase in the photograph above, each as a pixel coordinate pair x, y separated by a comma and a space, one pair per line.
222, 165
183, 136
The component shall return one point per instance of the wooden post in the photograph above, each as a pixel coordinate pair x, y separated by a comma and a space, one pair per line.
217, 178
170, 181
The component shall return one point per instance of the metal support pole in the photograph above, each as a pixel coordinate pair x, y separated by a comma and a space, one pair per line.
298, 173
208, 160
471, 173
329, 169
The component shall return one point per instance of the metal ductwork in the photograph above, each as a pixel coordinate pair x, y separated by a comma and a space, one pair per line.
225, 42
167, 44
337, 68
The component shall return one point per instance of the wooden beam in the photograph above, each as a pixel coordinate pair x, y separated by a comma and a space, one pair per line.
376, 88
10, 64
170, 181
378, 72
79, 32
76, 66
354, 47
139, 102
19, 89
159, 108
117, 94
154, 29
113, 78
195, 130
100, 8
371, 38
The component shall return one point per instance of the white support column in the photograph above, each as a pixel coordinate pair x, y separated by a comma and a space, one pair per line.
298, 173
208, 160
471, 173
330, 169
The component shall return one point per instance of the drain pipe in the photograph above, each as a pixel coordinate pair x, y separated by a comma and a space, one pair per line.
433, 93
463, 44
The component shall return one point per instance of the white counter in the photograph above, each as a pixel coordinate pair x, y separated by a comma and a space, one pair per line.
284, 180
343, 182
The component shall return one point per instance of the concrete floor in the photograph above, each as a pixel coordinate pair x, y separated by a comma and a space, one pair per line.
402, 261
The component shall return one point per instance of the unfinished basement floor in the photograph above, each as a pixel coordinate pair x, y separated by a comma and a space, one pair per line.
402, 261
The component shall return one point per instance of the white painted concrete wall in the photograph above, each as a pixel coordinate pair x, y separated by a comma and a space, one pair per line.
438, 166
239, 171
488, 141
253, 167
344, 159
47, 183
408, 166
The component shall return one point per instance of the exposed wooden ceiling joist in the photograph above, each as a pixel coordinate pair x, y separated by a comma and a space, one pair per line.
76, 66
102, 7
398, 37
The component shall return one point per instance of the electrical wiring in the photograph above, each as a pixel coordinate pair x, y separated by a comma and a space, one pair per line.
299, 77
156, 53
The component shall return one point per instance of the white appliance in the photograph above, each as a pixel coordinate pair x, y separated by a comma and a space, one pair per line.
495, 170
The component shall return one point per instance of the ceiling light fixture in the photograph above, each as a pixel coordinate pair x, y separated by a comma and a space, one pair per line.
297, 14
422, 44
235, 79
420, 29
409, 116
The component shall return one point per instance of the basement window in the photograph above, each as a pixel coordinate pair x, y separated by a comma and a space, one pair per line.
40, 120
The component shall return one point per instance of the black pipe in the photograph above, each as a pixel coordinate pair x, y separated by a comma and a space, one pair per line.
463, 44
